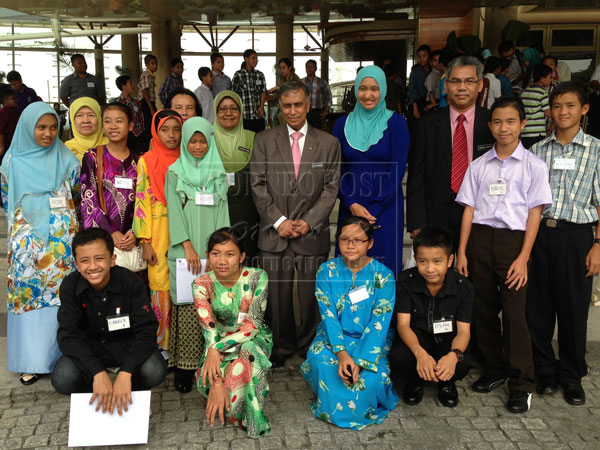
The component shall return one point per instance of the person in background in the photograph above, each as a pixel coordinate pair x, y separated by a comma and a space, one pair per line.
286, 72
184, 102
432, 82
204, 93
80, 84
147, 96
417, 92
9, 117
530, 58
85, 116
62, 114
173, 80
515, 73
491, 70
221, 82
552, 62
39, 184
319, 95
134, 142
251, 86
505, 85
537, 106
25, 95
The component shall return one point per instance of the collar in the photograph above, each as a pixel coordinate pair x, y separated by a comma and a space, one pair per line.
202, 85
216, 74
580, 139
302, 130
518, 153
152, 74
83, 285
469, 115
450, 287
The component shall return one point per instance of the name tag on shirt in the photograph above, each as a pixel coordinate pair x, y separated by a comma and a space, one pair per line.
482, 148
318, 166
241, 317
91, 84
204, 199
58, 202
123, 183
498, 189
243, 149
564, 164
358, 295
442, 326
230, 179
116, 323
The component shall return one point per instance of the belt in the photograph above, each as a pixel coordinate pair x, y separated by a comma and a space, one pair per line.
554, 223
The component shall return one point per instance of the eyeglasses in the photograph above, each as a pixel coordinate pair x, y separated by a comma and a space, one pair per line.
468, 82
355, 242
232, 109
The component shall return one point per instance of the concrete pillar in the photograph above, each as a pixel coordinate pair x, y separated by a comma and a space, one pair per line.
174, 37
99, 66
284, 37
130, 53
160, 49
324, 18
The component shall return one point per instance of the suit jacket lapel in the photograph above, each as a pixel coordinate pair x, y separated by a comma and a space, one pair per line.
445, 130
285, 151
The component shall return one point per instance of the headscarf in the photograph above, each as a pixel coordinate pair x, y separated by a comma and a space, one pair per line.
365, 128
229, 141
205, 174
80, 144
159, 158
33, 172
532, 55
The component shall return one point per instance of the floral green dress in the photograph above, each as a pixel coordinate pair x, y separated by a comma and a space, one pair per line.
361, 326
232, 321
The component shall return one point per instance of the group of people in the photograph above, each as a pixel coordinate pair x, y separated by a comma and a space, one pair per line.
248, 213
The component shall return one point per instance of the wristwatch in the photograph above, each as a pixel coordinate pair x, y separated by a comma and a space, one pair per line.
596, 241
459, 354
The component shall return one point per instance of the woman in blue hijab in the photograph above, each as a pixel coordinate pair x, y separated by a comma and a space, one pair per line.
39, 187
374, 144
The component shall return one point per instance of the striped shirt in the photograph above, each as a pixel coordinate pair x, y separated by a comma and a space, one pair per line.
535, 100
575, 193
249, 85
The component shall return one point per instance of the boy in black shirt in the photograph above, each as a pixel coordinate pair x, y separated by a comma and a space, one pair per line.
433, 307
105, 320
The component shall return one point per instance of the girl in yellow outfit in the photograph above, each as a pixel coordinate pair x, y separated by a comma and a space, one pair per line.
85, 117
150, 223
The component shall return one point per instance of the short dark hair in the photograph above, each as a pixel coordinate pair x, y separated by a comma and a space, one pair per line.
122, 81
120, 106
364, 224
446, 56
552, 57
149, 57
287, 61
214, 56
74, 56
89, 235
292, 85
508, 101
180, 90
505, 64
6, 94
203, 71
424, 48
492, 63
176, 61
311, 61
570, 87
505, 46
435, 53
540, 71
223, 235
249, 52
433, 237
13, 75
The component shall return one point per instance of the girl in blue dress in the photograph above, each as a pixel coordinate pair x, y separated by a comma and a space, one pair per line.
374, 144
347, 364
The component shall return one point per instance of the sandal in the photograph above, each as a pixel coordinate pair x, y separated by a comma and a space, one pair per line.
28, 378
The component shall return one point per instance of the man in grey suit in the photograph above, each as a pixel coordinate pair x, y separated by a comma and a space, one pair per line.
295, 175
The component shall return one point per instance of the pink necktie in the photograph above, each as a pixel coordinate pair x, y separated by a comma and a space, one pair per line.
296, 155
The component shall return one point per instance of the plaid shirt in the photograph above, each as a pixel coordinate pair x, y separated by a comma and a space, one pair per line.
575, 193
249, 85
171, 82
147, 81
136, 113
318, 93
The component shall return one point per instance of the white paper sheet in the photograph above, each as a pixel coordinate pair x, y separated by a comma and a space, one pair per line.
90, 428
184, 280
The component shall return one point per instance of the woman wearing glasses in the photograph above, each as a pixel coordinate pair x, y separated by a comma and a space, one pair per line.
347, 364
374, 144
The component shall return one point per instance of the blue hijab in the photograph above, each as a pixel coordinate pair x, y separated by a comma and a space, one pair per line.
365, 128
33, 172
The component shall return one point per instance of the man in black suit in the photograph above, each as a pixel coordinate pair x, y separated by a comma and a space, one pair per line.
447, 141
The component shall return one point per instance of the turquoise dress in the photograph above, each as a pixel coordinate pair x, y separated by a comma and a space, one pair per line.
362, 329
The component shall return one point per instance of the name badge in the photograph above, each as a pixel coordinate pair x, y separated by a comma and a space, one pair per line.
91, 84
58, 202
564, 164
442, 326
318, 165
498, 189
358, 295
243, 149
116, 323
241, 317
482, 148
230, 179
123, 183
204, 199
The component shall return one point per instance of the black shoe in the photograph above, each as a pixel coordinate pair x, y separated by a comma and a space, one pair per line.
546, 385
487, 383
448, 395
412, 395
277, 361
183, 380
574, 393
518, 401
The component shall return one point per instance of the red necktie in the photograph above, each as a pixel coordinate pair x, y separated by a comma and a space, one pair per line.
460, 156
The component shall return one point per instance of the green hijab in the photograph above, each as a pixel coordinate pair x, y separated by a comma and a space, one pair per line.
229, 142
204, 174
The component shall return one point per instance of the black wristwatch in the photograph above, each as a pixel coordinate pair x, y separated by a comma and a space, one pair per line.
459, 354
596, 241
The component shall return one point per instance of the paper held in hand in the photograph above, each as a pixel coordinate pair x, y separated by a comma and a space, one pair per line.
185, 279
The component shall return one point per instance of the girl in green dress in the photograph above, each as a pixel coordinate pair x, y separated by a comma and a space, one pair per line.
196, 191
231, 301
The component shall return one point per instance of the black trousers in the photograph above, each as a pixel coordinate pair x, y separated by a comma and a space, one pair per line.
143, 141
504, 347
256, 125
404, 364
559, 289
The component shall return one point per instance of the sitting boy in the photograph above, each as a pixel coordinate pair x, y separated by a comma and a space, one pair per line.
105, 320
433, 307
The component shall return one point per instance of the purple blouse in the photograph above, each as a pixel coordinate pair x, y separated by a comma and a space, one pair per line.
120, 201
